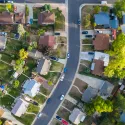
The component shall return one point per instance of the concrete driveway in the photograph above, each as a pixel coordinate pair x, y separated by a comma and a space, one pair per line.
86, 56
90, 32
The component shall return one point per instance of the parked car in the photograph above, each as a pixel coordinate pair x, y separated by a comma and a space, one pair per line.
59, 118
3, 33
68, 55
62, 77
84, 32
17, 36
61, 97
78, 22
53, 58
39, 115
57, 34
91, 53
6, 1
98, 31
48, 100
88, 36
104, 2
35, 103
65, 122
65, 70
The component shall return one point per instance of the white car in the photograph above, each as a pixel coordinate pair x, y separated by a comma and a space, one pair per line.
103, 2
62, 97
39, 115
62, 77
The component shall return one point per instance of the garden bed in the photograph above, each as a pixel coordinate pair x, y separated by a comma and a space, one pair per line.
87, 48
87, 41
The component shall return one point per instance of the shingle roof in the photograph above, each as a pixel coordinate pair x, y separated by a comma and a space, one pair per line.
46, 18
98, 67
101, 42
47, 41
20, 18
89, 93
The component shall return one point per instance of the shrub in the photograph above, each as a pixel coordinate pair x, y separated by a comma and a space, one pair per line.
105, 8
27, 10
97, 9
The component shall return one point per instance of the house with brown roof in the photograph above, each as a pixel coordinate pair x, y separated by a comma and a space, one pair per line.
45, 18
20, 18
100, 61
101, 42
48, 41
6, 18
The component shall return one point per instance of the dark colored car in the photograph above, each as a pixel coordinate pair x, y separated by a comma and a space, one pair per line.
65, 70
84, 32
89, 36
91, 53
57, 34
53, 58
35, 103
78, 22
48, 100
17, 36
59, 118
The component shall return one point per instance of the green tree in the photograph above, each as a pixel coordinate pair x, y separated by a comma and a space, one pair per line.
87, 21
25, 68
97, 9
50, 83
1, 122
105, 8
27, 10
41, 32
119, 6
16, 84
23, 54
47, 7
21, 29
116, 65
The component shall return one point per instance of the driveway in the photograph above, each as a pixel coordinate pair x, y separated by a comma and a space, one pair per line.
86, 56
20, 8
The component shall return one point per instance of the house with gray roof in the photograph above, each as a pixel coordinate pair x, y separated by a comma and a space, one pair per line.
31, 87
2, 42
108, 21
43, 66
20, 107
89, 94
77, 116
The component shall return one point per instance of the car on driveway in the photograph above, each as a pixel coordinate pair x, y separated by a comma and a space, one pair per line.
65, 122
39, 115
61, 97
59, 118
68, 55
84, 32
88, 36
53, 58
62, 77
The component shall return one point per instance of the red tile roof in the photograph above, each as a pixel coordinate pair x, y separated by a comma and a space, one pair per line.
101, 42
98, 67
47, 41
46, 18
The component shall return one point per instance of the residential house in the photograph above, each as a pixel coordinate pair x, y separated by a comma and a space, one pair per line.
35, 54
31, 87
46, 17
6, 18
43, 66
104, 91
101, 42
106, 20
2, 42
77, 116
48, 41
99, 62
89, 94
20, 107
20, 18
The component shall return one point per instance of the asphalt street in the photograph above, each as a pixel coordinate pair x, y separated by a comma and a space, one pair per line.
74, 49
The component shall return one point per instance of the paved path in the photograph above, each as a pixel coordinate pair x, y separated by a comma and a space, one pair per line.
78, 89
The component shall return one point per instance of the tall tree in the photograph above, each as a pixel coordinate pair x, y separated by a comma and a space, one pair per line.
21, 29
97, 9
23, 54
117, 63
16, 83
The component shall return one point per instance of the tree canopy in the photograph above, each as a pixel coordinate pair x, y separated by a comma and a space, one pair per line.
116, 65
21, 29
119, 6
16, 83
23, 54
100, 105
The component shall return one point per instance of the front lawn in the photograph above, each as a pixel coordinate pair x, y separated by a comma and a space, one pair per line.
22, 78
6, 101
5, 72
44, 91
40, 98
33, 108
87, 48
56, 66
87, 41
52, 76
26, 119
6, 57
60, 20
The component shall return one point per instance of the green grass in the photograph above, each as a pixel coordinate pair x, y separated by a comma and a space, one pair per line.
6, 101
2, 8
44, 91
87, 48
6, 57
87, 41
33, 108
59, 20
52, 76
5, 72
14, 92
22, 78
31, 65
40, 98
36, 11
26, 119
56, 66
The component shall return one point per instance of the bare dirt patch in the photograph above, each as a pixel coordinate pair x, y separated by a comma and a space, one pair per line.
80, 84
74, 93
61, 39
69, 105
